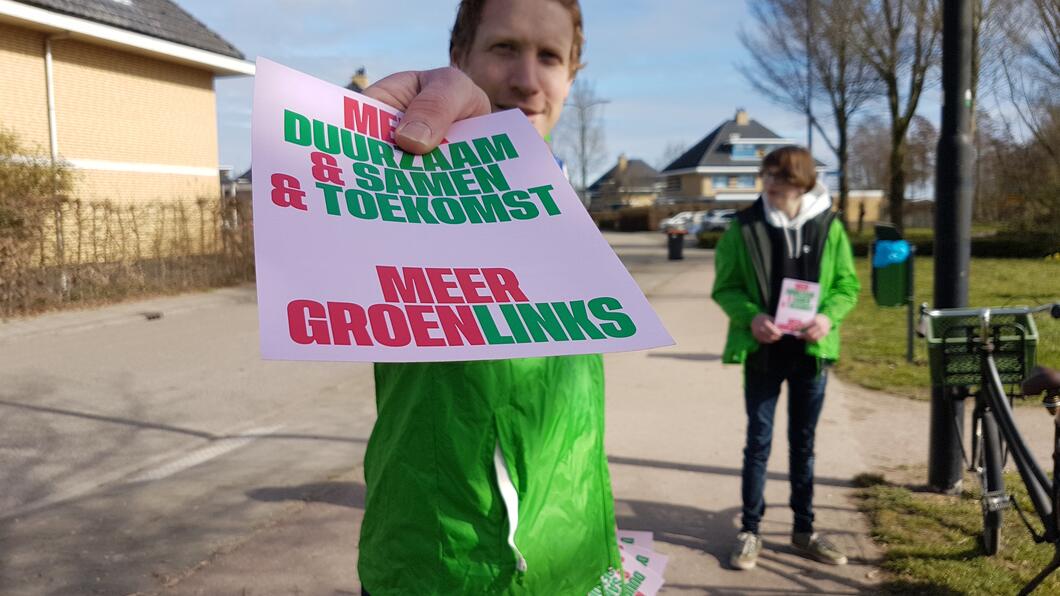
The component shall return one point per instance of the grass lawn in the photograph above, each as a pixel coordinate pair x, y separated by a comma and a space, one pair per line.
932, 543
874, 338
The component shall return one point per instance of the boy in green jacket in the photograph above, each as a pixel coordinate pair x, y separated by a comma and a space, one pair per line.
489, 477
790, 232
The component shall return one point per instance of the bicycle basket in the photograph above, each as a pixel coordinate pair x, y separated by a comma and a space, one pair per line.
953, 354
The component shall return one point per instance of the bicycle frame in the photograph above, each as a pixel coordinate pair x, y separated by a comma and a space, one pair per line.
1039, 488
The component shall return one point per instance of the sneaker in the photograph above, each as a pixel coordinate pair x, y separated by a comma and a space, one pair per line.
817, 547
745, 553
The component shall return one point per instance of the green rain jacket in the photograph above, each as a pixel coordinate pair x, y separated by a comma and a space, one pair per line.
741, 283
435, 521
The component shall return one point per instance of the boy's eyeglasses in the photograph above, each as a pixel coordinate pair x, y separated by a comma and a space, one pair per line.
773, 177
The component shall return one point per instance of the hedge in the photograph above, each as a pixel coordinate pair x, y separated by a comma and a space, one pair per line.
998, 246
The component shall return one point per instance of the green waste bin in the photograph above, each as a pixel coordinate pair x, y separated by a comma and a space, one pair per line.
890, 284
892, 260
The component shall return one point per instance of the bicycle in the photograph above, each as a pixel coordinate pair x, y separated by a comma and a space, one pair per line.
990, 348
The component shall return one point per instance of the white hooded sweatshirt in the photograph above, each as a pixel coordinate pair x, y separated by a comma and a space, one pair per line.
813, 203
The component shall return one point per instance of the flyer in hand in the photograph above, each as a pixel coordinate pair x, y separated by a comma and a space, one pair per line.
477, 250
797, 306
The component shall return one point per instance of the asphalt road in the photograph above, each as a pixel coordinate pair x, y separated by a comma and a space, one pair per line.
133, 449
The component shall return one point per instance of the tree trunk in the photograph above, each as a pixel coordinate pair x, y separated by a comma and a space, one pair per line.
896, 183
844, 182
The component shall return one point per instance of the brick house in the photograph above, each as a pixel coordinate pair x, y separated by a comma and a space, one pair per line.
630, 183
721, 170
121, 90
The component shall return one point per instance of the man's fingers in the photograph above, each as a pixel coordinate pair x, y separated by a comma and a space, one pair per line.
397, 90
446, 96
432, 100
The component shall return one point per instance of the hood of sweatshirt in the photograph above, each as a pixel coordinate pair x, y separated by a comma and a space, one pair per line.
813, 203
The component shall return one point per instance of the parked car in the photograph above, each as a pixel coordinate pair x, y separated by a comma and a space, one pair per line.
682, 221
717, 220
696, 224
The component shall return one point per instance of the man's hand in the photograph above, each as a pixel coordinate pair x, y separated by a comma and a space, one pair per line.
764, 330
432, 100
819, 328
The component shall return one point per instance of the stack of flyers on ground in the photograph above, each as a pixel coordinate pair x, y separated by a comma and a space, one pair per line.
642, 568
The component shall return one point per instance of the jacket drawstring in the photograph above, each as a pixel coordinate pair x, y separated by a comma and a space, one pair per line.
511, 504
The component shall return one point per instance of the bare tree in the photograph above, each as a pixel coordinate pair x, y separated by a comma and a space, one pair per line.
922, 145
1030, 165
993, 149
991, 23
803, 53
900, 40
1031, 67
671, 151
870, 149
868, 153
580, 132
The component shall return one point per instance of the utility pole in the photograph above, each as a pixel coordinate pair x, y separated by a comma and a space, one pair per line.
954, 188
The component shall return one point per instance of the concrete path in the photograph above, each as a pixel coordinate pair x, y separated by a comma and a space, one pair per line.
675, 435
675, 440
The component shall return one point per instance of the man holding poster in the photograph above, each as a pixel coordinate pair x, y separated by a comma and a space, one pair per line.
785, 277
489, 476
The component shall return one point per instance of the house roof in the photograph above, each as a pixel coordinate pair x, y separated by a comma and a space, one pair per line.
715, 149
638, 174
162, 19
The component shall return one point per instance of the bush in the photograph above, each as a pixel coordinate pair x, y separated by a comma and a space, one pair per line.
1012, 246
922, 239
708, 239
56, 251
31, 189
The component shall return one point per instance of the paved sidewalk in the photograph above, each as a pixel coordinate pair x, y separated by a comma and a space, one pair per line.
675, 440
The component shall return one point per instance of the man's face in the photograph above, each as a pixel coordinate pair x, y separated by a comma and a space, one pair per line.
521, 58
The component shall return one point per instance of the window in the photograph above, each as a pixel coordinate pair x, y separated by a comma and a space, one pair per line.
719, 181
751, 152
744, 152
746, 181
673, 183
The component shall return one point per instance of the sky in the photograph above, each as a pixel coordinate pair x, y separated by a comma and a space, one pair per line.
670, 69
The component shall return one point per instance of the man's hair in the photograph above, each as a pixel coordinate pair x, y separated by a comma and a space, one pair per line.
793, 165
469, 15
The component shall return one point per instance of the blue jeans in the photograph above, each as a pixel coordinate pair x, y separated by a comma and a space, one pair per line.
806, 383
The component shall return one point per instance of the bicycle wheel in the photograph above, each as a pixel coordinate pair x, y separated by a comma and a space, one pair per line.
992, 483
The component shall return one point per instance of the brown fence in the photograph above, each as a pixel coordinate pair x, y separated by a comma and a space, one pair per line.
76, 253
